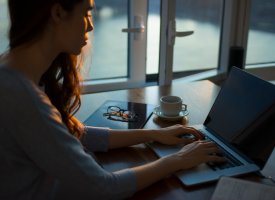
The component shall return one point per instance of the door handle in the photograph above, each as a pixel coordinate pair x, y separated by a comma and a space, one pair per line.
184, 33
134, 30
138, 28
172, 33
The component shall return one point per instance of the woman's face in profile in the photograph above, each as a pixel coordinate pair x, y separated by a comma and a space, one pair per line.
76, 27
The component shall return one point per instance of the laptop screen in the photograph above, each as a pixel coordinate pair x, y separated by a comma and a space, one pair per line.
242, 113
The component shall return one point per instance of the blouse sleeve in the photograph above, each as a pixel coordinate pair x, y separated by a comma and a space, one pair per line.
96, 139
38, 130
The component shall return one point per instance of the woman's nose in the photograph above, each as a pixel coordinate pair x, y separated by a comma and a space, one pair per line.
90, 26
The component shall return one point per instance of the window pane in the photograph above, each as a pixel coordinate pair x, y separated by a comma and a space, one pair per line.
153, 37
4, 25
108, 56
261, 40
200, 50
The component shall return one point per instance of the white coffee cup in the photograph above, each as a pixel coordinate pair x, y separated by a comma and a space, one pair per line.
171, 105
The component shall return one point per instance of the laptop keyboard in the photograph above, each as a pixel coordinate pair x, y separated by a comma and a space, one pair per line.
229, 163
230, 160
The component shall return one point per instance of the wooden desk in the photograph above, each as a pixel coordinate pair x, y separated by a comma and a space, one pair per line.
199, 96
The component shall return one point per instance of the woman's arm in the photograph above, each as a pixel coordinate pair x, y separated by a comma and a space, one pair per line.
169, 136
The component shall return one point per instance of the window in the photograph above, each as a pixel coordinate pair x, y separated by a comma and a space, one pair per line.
261, 40
4, 24
108, 56
153, 37
200, 50
196, 40
148, 51
118, 58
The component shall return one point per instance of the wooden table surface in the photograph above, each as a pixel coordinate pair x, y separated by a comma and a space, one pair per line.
199, 96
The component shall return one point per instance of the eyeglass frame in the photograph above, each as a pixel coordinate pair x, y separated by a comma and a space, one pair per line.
120, 113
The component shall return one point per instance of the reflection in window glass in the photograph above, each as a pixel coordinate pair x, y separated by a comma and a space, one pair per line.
200, 50
261, 39
107, 57
153, 37
4, 25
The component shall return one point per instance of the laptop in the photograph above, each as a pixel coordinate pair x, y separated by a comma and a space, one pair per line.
241, 123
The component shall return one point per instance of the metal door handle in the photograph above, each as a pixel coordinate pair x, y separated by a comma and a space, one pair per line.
134, 30
184, 33
172, 33
138, 28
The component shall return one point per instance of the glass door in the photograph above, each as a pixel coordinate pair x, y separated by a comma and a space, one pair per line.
261, 38
4, 25
200, 49
117, 56
107, 55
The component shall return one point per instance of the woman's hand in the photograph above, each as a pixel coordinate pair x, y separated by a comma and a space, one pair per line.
189, 156
196, 153
171, 135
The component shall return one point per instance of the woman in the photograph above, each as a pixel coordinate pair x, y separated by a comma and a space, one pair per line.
40, 148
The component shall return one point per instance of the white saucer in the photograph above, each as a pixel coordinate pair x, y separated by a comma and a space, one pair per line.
170, 118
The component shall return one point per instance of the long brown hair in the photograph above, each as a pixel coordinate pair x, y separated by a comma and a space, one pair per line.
62, 79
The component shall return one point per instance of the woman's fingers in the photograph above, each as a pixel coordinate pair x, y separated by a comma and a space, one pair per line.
187, 141
203, 147
198, 152
213, 151
216, 158
197, 134
178, 130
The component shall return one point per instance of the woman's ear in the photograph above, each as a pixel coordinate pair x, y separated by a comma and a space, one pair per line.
58, 13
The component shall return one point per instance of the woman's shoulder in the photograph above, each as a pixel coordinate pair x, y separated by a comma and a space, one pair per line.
8, 77
15, 85
11, 80
19, 93
11, 76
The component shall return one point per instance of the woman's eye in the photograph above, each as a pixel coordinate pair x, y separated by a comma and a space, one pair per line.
89, 14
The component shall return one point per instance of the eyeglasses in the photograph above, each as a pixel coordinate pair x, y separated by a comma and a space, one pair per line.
117, 114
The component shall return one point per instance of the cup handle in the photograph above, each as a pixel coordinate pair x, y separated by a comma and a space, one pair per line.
184, 107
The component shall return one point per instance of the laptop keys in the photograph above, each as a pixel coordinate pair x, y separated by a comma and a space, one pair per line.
229, 163
220, 166
230, 160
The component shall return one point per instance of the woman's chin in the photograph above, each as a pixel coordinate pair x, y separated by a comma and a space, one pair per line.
76, 51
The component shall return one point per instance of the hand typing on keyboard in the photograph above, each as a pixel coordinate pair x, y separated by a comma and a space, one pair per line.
177, 134
198, 152
229, 161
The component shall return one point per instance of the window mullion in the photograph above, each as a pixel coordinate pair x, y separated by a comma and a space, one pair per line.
138, 12
242, 22
235, 29
166, 47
